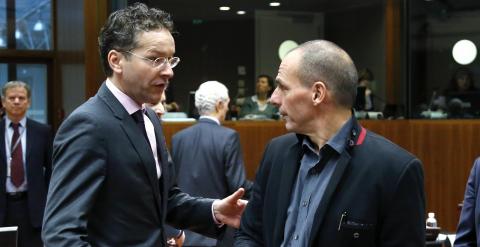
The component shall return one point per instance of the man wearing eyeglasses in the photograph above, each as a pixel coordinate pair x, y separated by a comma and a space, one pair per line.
112, 184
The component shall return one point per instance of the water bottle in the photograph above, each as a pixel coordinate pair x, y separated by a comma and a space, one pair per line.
431, 221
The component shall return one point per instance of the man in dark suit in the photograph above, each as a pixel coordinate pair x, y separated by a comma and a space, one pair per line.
208, 156
25, 157
111, 182
468, 231
331, 182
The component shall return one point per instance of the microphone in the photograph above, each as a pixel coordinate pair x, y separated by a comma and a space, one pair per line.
432, 100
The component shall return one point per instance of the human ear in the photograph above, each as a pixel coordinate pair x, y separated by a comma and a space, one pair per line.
115, 61
218, 106
319, 92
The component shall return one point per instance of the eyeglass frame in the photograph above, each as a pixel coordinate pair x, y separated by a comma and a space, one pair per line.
156, 60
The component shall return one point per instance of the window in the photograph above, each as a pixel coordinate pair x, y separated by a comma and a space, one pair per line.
441, 87
35, 75
33, 25
26, 25
3, 24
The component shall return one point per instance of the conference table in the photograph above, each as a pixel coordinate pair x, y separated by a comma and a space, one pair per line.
447, 149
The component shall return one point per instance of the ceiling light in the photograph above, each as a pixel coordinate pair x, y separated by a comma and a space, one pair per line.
286, 47
241, 12
275, 4
224, 8
2, 43
18, 34
464, 52
38, 26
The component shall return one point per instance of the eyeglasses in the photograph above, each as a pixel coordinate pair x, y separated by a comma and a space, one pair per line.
159, 62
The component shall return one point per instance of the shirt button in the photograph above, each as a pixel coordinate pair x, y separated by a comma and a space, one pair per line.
296, 237
304, 203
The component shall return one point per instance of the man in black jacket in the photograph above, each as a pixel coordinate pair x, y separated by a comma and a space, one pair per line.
331, 182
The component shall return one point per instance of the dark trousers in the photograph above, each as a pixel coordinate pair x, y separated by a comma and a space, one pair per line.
17, 214
228, 238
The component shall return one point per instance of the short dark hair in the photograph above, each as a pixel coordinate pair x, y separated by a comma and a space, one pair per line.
12, 84
459, 73
325, 61
365, 74
123, 26
270, 82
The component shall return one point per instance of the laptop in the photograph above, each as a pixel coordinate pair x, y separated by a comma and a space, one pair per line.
8, 236
470, 100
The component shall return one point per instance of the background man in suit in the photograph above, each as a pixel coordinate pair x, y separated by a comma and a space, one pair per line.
25, 158
112, 184
331, 182
208, 156
468, 232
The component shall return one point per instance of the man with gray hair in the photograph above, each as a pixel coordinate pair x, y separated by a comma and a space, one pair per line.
208, 156
25, 165
331, 182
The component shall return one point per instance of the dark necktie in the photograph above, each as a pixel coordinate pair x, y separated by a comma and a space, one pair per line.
16, 165
138, 117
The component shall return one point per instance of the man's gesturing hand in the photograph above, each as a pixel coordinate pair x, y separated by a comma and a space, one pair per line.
229, 210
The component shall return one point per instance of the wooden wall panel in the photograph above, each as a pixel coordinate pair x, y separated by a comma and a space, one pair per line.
254, 140
447, 149
95, 15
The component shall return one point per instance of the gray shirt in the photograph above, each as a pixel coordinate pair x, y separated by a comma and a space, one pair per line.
315, 172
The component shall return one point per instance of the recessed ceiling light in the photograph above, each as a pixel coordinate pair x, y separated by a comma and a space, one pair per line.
464, 52
224, 8
285, 47
274, 4
241, 12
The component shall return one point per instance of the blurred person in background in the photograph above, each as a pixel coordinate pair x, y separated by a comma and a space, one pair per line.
25, 165
208, 156
257, 106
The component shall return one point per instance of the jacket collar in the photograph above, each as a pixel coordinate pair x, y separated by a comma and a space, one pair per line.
208, 119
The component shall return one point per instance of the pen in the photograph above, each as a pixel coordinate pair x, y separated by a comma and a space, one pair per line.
342, 217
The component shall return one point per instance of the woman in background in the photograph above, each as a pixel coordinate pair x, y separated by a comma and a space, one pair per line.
364, 101
258, 106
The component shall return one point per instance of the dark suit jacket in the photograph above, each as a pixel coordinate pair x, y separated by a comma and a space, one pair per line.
38, 168
104, 189
376, 183
209, 163
468, 233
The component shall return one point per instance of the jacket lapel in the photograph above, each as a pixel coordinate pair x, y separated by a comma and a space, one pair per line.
288, 176
30, 139
337, 175
136, 138
357, 136
161, 150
